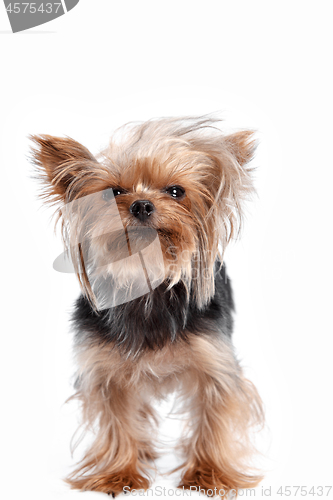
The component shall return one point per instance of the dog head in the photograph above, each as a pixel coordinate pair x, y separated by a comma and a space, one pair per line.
170, 190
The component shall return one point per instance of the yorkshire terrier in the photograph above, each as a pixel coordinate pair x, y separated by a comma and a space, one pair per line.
146, 224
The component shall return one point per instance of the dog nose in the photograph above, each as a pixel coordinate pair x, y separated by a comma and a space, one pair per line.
142, 209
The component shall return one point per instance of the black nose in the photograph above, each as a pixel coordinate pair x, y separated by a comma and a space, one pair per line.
142, 209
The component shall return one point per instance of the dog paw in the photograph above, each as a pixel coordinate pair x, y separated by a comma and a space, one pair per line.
112, 484
213, 481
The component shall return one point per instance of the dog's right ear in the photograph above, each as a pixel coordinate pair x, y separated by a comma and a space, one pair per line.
61, 163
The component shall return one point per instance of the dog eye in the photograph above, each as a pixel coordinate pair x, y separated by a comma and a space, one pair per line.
175, 191
108, 194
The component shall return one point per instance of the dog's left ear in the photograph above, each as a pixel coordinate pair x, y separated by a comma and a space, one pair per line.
242, 145
232, 182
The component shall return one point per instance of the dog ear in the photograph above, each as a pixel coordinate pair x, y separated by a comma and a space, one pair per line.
60, 162
230, 180
242, 145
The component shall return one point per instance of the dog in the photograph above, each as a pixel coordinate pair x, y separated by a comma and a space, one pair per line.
146, 223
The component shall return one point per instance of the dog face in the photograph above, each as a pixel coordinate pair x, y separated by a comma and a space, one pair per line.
178, 180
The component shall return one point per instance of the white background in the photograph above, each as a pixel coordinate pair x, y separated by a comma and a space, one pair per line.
264, 65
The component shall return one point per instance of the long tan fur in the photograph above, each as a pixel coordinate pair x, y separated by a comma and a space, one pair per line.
222, 407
